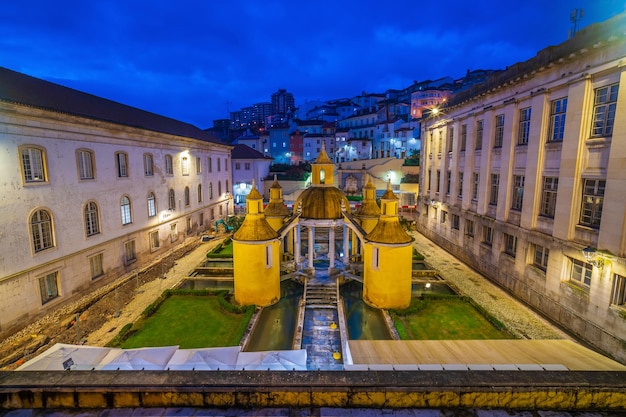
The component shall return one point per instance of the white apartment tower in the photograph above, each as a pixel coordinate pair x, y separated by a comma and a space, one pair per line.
524, 178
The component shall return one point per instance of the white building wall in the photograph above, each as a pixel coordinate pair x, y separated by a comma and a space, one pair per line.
64, 196
588, 311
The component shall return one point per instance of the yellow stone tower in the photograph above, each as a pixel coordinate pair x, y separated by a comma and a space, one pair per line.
387, 275
256, 256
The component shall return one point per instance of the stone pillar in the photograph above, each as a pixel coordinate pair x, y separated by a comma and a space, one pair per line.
346, 247
311, 245
331, 246
296, 251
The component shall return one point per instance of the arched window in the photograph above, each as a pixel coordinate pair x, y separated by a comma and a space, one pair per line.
171, 200
125, 208
41, 229
227, 187
92, 225
151, 205
210, 191
199, 193
186, 196
219, 188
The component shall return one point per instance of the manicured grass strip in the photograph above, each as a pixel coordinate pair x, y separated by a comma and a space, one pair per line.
190, 322
446, 319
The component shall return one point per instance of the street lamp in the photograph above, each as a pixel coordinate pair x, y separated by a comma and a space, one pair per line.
591, 256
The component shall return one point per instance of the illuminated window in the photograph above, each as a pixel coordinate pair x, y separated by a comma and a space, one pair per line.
95, 265
85, 164
184, 165
604, 106
151, 205
121, 161
49, 287
148, 165
524, 126
558, 109
33, 164
92, 225
125, 210
41, 230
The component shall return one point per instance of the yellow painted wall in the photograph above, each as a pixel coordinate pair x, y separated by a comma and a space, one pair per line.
389, 285
255, 283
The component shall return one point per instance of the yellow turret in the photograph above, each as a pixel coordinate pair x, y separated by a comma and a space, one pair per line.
369, 211
256, 257
276, 212
387, 262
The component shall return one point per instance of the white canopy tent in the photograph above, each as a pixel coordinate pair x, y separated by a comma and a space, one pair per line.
224, 358
275, 360
149, 359
61, 357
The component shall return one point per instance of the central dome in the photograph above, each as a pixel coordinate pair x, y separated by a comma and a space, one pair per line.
325, 202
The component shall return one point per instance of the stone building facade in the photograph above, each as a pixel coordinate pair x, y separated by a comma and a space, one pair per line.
522, 174
92, 190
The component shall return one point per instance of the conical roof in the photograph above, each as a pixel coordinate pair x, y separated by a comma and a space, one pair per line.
388, 229
368, 207
276, 207
255, 226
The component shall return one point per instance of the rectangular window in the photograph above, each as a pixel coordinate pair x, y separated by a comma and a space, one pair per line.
438, 181
430, 179
189, 224
247, 166
121, 160
580, 273
456, 222
440, 143
268, 256
499, 132
148, 165
129, 252
49, 287
237, 166
618, 295
450, 138
469, 228
184, 164
201, 219
198, 165
210, 164
225, 164
475, 185
518, 192
33, 165
540, 256
95, 264
548, 196
85, 165
154, 240
479, 134
510, 244
487, 235
493, 194
375, 257
448, 182
173, 232
169, 166
463, 137
524, 126
460, 185
558, 109
593, 199
604, 105
219, 164
444, 216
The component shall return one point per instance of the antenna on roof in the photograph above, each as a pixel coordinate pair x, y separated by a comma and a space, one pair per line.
575, 16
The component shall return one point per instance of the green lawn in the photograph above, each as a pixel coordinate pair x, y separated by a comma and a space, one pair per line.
190, 322
446, 319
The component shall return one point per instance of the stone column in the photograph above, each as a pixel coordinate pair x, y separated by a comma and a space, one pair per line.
296, 251
311, 245
331, 246
346, 246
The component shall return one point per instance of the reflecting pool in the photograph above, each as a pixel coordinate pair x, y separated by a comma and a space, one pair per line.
363, 321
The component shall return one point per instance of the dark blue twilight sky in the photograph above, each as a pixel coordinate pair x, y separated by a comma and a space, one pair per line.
193, 60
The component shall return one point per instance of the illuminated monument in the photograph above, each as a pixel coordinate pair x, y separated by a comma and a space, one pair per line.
322, 229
